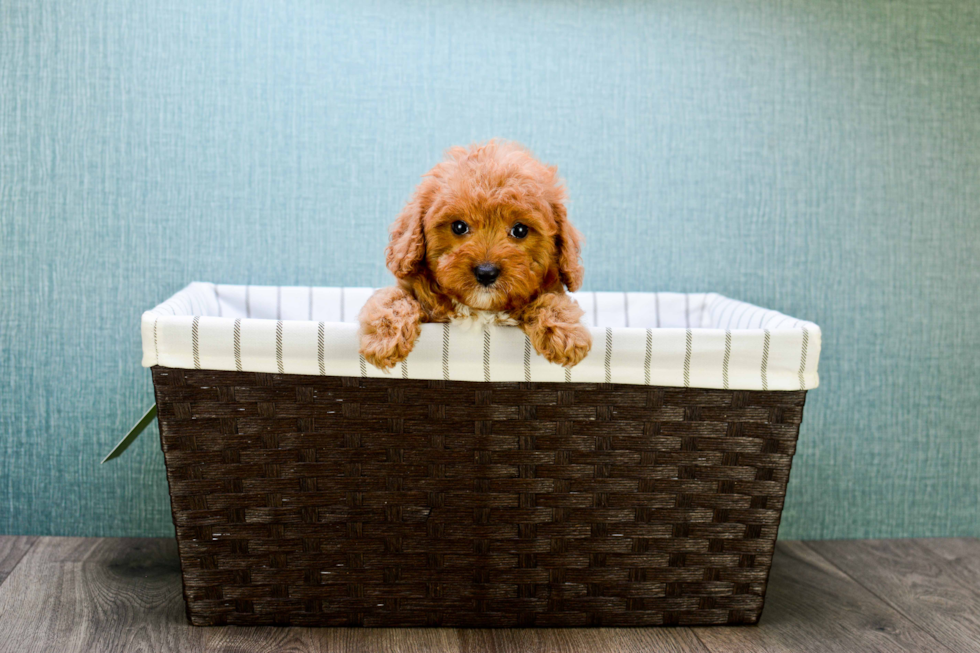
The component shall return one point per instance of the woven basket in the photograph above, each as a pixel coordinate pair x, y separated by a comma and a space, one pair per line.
334, 501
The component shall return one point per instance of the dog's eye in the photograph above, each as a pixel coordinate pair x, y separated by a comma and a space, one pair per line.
519, 231
460, 227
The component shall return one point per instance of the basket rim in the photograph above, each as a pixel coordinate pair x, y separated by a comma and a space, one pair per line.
704, 340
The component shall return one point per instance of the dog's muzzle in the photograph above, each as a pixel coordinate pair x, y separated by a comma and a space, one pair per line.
486, 273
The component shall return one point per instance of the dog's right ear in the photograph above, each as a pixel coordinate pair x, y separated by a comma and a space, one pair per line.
569, 240
406, 247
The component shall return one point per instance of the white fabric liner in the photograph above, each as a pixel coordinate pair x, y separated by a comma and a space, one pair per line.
698, 340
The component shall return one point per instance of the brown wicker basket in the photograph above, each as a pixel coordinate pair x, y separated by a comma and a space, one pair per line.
329, 501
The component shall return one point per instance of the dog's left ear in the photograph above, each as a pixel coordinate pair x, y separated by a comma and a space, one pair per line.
568, 242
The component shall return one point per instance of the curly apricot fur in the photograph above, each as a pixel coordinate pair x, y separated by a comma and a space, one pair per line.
391, 320
490, 187
553, 323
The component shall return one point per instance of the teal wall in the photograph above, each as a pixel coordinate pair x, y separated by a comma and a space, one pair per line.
820, 158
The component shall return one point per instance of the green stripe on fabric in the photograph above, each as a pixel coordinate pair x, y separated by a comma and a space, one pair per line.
647, 357
803, 347
486, 354
728, 356
237, 344
445, 351
687, 358
527, 359
194, 342
607, 362
319, 348
279, 365
765, 361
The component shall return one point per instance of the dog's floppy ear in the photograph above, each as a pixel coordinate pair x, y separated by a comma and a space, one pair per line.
406, 247
568, 242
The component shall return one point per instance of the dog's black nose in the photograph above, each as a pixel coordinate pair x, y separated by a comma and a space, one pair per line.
486, 273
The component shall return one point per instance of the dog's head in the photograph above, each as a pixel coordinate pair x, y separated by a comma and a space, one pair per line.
488, 227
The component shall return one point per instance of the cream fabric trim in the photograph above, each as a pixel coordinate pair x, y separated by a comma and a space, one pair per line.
698, 340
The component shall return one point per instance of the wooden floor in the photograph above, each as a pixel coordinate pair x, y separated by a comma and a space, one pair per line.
90, 595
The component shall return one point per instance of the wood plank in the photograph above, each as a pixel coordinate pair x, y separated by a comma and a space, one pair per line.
95, 595
233, 639
435, 640
593, 640
935, 584
389, 640
811, 605
12, 549
962, 554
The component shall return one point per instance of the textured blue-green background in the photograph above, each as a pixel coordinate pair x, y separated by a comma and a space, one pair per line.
820, 158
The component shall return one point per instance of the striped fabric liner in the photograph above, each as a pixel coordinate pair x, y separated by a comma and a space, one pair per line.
698, 340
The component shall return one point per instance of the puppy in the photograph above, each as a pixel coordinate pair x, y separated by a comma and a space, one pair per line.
485, 236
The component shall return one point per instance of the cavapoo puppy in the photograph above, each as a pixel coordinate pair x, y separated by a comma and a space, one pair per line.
486, 237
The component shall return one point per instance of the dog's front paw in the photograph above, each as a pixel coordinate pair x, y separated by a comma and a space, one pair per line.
390, 324
564, 344
388, 343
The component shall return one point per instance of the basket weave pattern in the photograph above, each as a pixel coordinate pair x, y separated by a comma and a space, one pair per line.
328, 501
